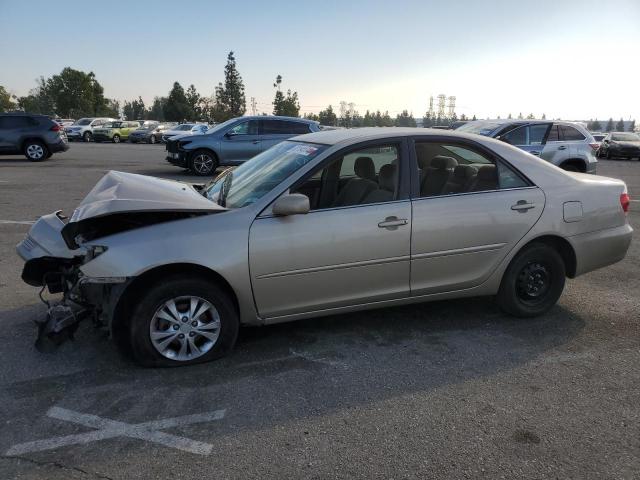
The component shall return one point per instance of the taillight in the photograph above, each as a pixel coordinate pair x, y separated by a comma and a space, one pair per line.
624, 202
56, 128
594, 146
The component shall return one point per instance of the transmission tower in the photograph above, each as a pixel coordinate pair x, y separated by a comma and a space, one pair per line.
254, 106
441, 101
451, 107
431, 113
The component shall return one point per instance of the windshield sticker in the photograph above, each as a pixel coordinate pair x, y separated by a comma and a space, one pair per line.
305, 150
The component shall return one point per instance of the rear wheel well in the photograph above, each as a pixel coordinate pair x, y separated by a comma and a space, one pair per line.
32, 139
575, 162
563, 247
140, 284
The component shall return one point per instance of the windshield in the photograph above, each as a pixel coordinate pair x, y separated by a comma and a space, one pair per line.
256, 177
480, 128
221, 126
184, 126
83, 121
625, 137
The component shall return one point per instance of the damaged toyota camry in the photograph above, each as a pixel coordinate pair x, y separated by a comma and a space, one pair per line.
329, 222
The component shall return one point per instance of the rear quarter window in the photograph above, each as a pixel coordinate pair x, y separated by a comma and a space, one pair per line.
570, 133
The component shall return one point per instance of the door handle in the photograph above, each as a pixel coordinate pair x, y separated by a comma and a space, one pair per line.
523, 206
562, 147
392, 223
255, 142
535, 152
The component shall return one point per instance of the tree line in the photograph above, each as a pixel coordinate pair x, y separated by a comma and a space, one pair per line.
75, 94
596, 126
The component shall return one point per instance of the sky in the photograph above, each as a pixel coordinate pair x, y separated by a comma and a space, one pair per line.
564, 58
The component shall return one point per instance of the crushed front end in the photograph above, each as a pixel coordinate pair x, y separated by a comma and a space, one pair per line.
51, 265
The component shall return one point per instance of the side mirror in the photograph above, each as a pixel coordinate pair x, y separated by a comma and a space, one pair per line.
292, 204
230, 134
606, 140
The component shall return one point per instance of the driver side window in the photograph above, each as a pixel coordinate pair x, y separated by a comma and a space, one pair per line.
360, 177
245, 128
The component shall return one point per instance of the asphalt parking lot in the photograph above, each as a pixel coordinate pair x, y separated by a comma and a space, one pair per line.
451, 389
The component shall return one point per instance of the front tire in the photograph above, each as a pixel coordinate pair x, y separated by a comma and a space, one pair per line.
152, 139
36, 151
116, 139
182, 321
87, 136
203, 163
533, 282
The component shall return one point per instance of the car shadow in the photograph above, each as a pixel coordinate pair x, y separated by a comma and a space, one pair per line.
306, 368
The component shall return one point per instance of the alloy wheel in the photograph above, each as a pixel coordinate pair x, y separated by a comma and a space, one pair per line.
203, 164
185, 328
35, 151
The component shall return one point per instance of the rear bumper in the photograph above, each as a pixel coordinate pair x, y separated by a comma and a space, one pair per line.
58, 147
598, 249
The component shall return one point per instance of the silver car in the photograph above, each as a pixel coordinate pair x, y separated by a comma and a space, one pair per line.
568, 145
324, 223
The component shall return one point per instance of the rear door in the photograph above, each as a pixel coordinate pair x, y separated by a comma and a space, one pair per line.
578, 147
241, 142
556, 150
13, 128
459, 239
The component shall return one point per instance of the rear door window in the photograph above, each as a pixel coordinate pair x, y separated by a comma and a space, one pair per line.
10, 122
554, 134
284, 127
526, 135
570, 133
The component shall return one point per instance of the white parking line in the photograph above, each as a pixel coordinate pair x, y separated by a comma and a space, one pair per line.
107, 428
17, 222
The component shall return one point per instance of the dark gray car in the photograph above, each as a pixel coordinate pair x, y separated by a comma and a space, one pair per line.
36, 136
567, 145
234, 141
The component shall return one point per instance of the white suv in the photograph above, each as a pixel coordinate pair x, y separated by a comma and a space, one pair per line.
82, 129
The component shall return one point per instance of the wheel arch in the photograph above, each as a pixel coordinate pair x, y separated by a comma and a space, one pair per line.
154, 275
575, 162
192, 152
563, 247
31, 138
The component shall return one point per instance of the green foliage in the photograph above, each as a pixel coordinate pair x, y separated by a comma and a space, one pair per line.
609, 127
632, 126
405, 119
177, 108
312, 116
285, 105
6, 103
474, 117
156, 112
134, 110
328, 117
620, 125
531, 116
229, 101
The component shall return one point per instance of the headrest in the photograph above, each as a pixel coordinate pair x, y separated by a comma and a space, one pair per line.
364, 168
487, 172
464, 171
440, 162
387, 177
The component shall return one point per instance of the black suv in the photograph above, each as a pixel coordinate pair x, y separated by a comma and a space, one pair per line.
36, 136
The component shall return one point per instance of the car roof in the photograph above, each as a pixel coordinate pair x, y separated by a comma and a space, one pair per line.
277, 117
23, 114
354, 135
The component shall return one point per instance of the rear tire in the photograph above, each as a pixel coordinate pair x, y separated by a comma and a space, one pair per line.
116, 138
203, 163
152, 316
87, 136
152, 139
36, 151
533, 282
570, 168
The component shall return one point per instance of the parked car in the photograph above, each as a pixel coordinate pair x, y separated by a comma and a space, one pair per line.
64, 122
185, 129
115, 132
325, 223
82, 129
37, 137
234, 141
150, 133
567, 145
620, 145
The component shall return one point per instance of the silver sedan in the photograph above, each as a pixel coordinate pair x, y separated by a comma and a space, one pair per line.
329, 222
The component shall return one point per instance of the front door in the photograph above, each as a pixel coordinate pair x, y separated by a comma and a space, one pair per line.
241, 142
530, 138
469, 220
352, 247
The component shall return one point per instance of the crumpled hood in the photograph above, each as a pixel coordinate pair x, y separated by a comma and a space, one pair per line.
119, 192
